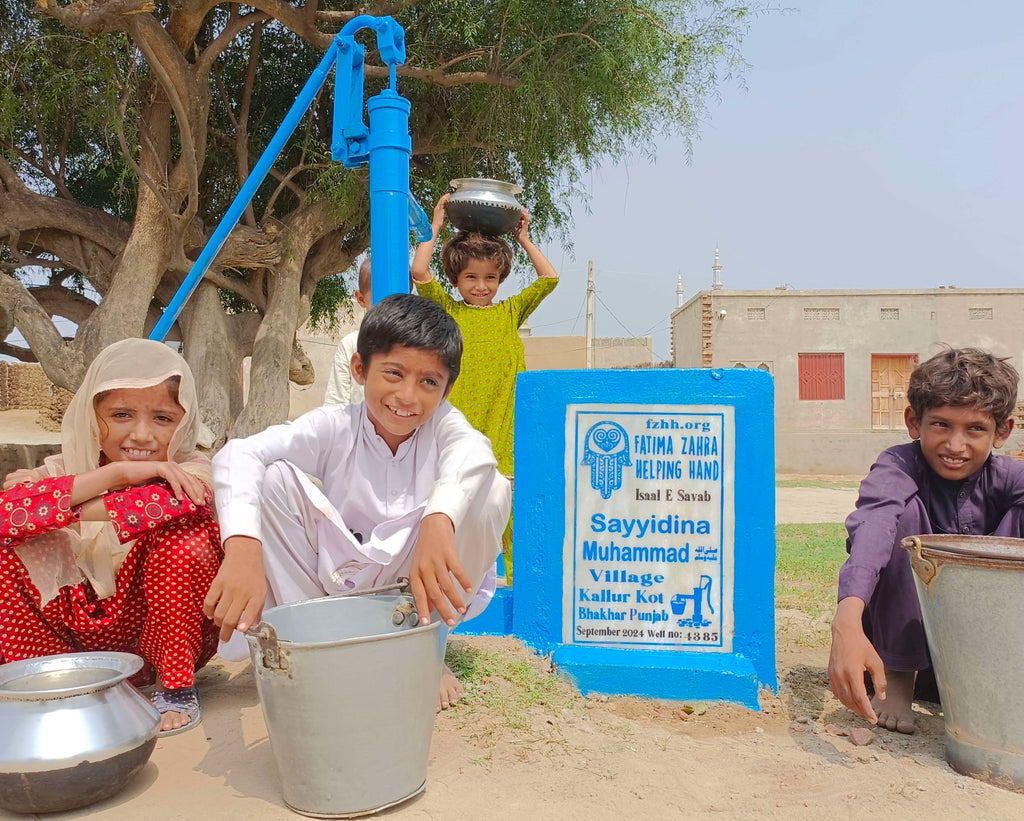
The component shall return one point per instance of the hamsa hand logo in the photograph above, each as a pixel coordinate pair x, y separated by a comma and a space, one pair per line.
606, 450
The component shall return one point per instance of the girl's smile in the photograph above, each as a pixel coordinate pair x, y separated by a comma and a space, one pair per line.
136, 424
478, 282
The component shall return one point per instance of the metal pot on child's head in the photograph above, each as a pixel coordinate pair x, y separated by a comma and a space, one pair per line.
484, 206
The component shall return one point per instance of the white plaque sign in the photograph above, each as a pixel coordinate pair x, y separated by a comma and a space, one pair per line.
649, 530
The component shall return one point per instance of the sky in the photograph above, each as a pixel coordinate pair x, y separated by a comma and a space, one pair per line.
874, 145
871, 144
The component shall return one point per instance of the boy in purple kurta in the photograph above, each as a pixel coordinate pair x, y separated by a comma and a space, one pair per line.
946, 481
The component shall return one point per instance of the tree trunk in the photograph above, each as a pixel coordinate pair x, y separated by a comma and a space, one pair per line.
215, 345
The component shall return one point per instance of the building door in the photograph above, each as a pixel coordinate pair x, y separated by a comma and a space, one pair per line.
890, 376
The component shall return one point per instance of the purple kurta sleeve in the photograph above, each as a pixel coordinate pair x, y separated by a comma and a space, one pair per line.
893, 480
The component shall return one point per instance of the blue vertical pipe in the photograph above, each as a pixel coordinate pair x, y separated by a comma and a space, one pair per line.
390, 147
247, 191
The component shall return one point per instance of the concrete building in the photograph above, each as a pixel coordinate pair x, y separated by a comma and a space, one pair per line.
841, 358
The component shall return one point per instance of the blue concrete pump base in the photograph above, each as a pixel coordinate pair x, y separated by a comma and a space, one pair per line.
496, 620
675, 676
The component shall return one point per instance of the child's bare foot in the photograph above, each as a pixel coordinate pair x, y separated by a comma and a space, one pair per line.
896, 711
451, 689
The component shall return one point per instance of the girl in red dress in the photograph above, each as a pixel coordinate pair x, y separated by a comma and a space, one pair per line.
112, 545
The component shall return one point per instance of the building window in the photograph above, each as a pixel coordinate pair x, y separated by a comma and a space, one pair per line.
738, 365
979, 313
890, 313
821, 376
755, 314
765, 366
821, 314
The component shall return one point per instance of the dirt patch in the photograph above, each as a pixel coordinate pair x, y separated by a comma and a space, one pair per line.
615, 757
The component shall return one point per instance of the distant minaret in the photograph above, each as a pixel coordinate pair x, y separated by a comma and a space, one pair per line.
716, 269
679, 291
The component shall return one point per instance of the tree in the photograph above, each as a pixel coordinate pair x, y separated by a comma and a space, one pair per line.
126, 127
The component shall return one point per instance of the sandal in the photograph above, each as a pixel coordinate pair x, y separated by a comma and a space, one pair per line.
184, 700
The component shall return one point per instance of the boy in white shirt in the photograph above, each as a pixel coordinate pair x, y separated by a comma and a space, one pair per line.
341, 388
410, 488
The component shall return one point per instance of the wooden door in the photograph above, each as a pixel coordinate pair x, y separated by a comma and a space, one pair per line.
890, 376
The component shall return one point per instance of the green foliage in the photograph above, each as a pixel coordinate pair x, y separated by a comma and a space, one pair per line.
808, 558
591, 80
330, 293
544, 91
60, 108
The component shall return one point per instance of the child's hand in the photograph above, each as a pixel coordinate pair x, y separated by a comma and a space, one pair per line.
522, 232
181, 481
434, 562
239, 589
437, 221
25, 476
850, 656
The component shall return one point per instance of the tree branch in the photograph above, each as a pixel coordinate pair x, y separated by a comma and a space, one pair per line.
94, 18
18, 352
238, 286
519, 58
272, 172
334, 17
235, 26
57, 300
24, 211
10, 179
147, 180
242, 127
439, 78
296, 19
286, 182
62, 362
172, 71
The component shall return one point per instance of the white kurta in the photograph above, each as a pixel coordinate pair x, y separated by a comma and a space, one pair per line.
342, 389
360, 530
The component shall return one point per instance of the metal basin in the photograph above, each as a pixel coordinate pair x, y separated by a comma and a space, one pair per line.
971, 590
74, 730
484, 206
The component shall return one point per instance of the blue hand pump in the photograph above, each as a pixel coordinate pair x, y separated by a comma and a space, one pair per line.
385, 145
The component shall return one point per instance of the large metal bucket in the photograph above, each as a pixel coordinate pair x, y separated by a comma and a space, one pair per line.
971, 590
349, 691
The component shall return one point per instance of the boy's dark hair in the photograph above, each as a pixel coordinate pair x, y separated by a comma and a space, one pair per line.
460, 249
965, 377
413, 322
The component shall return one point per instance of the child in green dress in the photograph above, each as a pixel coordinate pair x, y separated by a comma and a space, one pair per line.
492, 351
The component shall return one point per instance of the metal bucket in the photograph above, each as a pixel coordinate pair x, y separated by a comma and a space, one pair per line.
349, 691
971, 590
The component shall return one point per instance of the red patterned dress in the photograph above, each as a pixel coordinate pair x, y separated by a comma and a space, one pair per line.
156, 609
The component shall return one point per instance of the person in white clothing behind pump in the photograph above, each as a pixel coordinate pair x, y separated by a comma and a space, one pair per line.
410, 488
342, 389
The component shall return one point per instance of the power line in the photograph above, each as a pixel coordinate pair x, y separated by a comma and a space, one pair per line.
580, 311
627, 330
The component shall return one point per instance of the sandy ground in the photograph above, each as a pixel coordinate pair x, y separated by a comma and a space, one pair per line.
20, 427
598, 757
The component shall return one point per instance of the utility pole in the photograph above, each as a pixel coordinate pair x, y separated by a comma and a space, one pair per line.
590, 315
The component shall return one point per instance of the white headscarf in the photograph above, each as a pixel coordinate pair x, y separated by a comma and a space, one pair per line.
91, 549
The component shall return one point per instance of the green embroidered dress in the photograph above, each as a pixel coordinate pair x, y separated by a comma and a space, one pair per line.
492, 356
